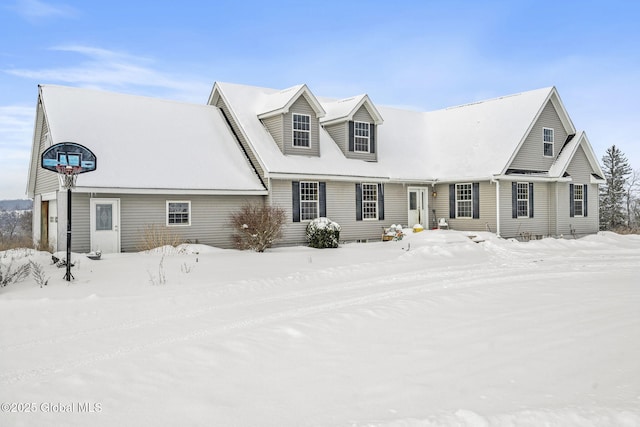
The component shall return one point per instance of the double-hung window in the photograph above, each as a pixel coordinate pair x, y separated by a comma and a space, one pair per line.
548, 140
578, 200
309, 201
464, 201
301, 130
178, 212
369, 201
361, 136
522, 195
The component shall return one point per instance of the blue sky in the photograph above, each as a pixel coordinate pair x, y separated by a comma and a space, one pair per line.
420, 55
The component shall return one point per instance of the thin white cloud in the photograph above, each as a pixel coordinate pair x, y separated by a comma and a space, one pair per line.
16, 125
113, 70
36, 10
16, 130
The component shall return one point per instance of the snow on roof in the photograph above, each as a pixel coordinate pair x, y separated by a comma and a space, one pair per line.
346, 108
128, 133
474, 140
147, 143
561, 163
479, 139
245, 103
279, 102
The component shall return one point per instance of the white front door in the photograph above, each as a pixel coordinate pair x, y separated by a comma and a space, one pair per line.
105, 225
418, 207
53, 225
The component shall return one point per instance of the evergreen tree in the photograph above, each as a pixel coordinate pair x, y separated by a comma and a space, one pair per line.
613, 192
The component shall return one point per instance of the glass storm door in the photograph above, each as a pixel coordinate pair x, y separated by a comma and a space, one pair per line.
417, 207
105, 225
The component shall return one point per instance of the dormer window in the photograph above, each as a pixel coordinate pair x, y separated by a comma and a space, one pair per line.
301, 130
547, 138
361, 137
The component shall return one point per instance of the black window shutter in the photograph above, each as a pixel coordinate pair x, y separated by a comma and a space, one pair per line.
351, 145
358, 202
476, 200
295, 198
584, 195
531, 200
452, 200
372, 138
514, 200
322, 198
572, 211
380, 201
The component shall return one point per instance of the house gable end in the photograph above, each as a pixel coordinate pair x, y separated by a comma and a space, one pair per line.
281, 102
544, 139
579, 144
354, 119
293, 130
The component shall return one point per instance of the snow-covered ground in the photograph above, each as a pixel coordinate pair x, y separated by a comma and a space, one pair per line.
433, 330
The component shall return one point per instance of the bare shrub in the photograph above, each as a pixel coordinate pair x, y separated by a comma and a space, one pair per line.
155, 236
15, 242
162, 277
37, 271
11, 274
626, 230
257, 226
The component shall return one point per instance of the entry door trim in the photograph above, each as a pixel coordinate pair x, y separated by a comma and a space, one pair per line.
92, 217
425, 205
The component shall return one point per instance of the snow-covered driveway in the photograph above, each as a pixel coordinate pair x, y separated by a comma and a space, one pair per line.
432, 330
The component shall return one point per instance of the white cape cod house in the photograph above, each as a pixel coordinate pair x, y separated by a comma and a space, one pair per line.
515, 165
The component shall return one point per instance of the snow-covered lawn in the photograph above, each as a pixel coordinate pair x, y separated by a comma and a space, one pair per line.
432, 330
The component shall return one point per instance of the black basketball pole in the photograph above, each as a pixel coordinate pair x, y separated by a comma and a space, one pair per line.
68, 275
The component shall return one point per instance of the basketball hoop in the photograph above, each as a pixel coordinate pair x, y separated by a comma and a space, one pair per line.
67, 175
68, 159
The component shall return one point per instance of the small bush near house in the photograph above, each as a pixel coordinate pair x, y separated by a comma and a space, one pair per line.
626, 230
323, 233
257, 226
156, 236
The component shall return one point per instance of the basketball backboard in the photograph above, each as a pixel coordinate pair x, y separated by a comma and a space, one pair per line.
68, 154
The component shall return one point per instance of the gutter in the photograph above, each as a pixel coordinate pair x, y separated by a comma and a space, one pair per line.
530, 178
308, 176
194, 192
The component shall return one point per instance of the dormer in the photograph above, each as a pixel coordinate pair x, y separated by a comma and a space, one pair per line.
292, 117
352, 123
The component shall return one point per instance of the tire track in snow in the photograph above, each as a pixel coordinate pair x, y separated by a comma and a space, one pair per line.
335, 288
14, 377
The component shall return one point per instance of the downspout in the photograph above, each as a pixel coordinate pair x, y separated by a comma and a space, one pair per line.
497, 208
556, 208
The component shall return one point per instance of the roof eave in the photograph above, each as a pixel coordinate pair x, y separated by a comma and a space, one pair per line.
184, 191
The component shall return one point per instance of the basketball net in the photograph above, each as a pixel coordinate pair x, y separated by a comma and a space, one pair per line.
67, 176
